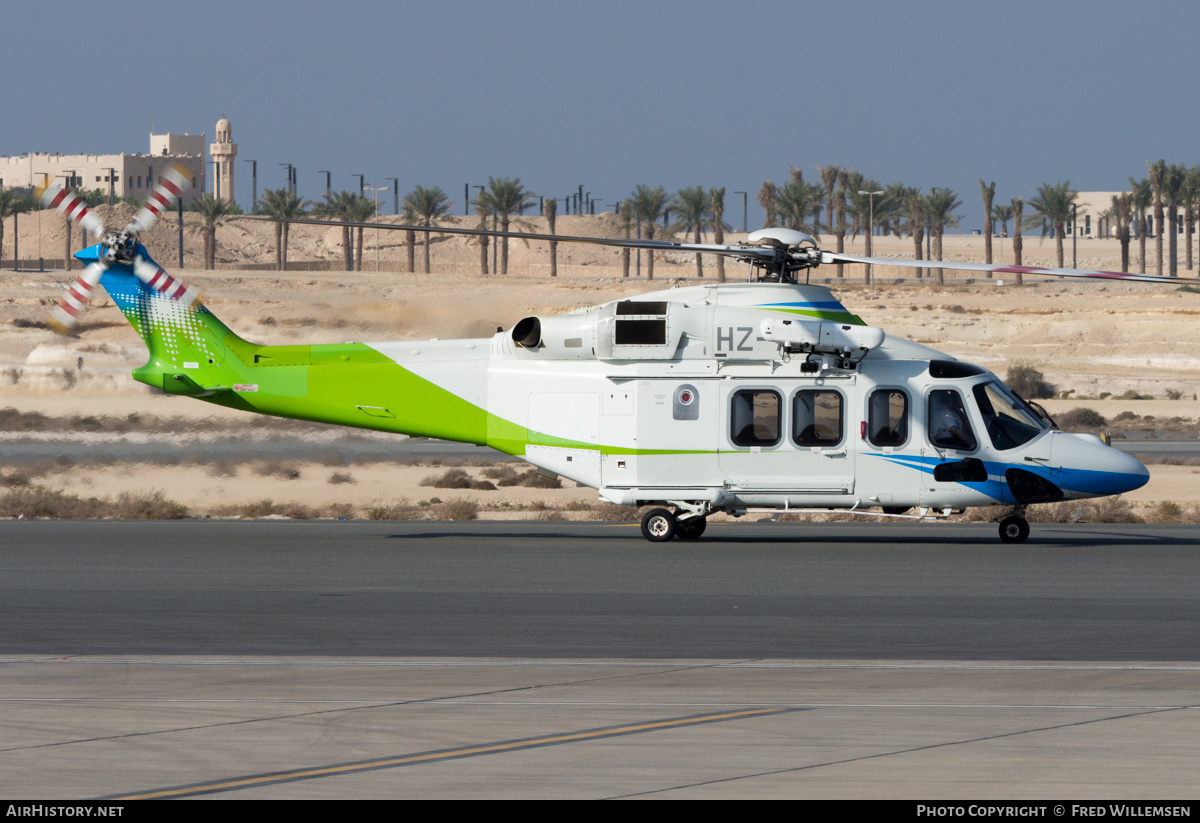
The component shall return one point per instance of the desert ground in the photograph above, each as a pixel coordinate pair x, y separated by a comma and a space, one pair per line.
1101, 344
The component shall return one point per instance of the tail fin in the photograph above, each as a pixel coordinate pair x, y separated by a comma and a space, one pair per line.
189, 346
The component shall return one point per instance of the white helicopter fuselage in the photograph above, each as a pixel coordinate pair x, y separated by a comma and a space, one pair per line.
704, 397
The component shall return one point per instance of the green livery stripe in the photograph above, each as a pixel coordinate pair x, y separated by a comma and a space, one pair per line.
836, 316
346, 384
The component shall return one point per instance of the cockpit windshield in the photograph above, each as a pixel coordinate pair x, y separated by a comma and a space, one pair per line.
1005, 418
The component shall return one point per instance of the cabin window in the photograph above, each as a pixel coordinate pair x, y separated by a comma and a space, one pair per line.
887, 418
949, 427
817, 418
756, 417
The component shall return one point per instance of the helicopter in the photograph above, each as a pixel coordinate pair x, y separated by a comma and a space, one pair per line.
762, 396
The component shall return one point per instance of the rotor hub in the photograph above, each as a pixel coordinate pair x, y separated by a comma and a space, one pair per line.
118, 246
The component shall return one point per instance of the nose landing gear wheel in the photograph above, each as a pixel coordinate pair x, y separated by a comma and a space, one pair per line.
691, 528
659, 525
1014, 529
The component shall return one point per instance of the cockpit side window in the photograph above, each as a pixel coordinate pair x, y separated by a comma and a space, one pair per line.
817, 418
1007, 423
887, 418
949, 426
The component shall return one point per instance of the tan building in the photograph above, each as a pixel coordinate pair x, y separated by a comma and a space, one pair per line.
126, 175
1092, 206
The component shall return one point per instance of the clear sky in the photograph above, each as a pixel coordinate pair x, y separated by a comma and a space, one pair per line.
611, 94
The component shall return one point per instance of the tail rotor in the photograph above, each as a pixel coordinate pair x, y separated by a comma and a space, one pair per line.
118, 247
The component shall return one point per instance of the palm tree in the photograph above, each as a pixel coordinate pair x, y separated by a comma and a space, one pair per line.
1191, 199
889, 209
430, 206
795, 203
717, 196
1003, 214
1053, 208
915, 211
361, 209
211, 209
766, 199
829, 179
1157, 171
550, 207
988, 191
839, 229
281, 204
1122, 210
649, 206
1140, 196
505, 197
941, 204
1172, 190
1018, 244
693, 206
339, 207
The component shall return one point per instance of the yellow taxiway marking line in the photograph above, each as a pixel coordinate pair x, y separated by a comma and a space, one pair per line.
448, 754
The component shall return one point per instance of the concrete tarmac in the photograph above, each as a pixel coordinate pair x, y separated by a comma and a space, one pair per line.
353, 660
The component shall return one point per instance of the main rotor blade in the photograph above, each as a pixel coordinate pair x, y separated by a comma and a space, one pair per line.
65, 316
760, 253
835, 257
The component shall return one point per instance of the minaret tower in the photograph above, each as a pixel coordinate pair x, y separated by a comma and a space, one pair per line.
224, 155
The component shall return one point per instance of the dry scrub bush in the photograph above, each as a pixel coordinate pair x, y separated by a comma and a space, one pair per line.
549, 515
338, 478
1080, 419
450, 479
277, 468
458, 509
147, 506
340, 511
394, 510
38, 501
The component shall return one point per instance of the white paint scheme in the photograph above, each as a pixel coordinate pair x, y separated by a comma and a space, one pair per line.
599, 393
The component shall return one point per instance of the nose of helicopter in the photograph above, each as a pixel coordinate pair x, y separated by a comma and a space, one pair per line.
1093, 469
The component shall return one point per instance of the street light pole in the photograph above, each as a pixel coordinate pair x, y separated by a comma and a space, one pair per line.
112, 179
289, 168
376, 191
870, 230
745, 208
395, 194
328, 184
361, 183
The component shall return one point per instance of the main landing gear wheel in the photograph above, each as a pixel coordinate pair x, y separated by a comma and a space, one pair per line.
1014, 529
659, 525
691, 528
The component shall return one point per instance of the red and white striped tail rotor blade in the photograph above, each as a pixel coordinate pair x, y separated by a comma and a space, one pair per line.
71, 205
154, 277
835, 257
64, 317
167, 190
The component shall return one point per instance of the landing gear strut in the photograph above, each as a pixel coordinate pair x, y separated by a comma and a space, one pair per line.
1014, 529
